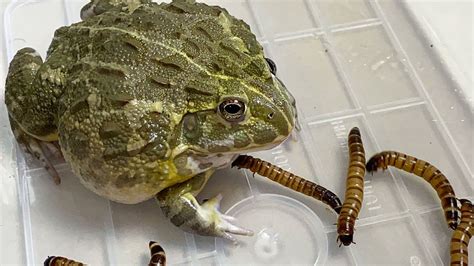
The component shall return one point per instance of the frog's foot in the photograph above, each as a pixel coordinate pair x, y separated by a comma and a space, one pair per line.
181, 207
37, 149
54, 149
205, 219
211, 221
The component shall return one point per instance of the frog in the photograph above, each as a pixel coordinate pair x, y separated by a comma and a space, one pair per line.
147, 100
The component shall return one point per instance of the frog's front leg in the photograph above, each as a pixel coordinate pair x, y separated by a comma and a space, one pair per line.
30, 106
181, 207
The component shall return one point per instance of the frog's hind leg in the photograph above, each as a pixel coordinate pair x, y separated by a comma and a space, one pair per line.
37, 148
21, 74
181, 207
24, 107
31, 94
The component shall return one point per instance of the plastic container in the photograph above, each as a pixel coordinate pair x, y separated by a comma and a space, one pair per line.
348, 63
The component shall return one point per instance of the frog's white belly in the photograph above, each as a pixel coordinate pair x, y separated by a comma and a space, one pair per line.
200, 164
142, 191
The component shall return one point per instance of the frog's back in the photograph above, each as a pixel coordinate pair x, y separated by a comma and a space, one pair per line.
155, 52
134, 74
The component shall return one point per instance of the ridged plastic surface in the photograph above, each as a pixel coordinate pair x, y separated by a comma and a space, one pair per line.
348, 63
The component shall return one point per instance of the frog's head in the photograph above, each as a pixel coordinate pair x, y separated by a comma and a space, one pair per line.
243, 115
235, 102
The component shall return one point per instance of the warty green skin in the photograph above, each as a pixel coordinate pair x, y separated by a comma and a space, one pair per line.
132, 94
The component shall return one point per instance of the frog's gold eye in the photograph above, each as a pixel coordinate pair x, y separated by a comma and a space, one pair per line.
232, 110
272, 65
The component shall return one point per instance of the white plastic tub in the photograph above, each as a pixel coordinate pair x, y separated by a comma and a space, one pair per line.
348, 63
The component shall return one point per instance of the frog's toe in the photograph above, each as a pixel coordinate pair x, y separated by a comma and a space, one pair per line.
230, 228
39, 151
223, 223
181, 207
55, 149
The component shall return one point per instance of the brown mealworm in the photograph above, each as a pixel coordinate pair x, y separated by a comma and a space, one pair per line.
425, 170
354, 189
288, 180
61, 261
158, 256
462, 235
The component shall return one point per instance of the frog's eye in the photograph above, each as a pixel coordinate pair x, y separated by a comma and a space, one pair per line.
272, 65
232, 110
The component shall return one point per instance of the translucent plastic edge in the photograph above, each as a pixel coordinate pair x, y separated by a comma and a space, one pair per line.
449, 65
442, 127
8, 34
24, 200
21, 182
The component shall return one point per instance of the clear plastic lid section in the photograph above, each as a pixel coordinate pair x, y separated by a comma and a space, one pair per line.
286, 233
352, 63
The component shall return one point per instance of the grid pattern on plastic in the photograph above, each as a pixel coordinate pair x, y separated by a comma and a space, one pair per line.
356, 72
348, 63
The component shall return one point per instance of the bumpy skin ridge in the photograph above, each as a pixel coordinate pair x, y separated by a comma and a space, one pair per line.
133, 90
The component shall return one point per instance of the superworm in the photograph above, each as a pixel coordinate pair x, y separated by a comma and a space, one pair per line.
60, 261
425, 170
288, 180
354, 189
158, 256
462, 235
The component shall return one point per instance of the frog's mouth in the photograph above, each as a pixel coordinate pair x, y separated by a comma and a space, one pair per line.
234, 152
200, 160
